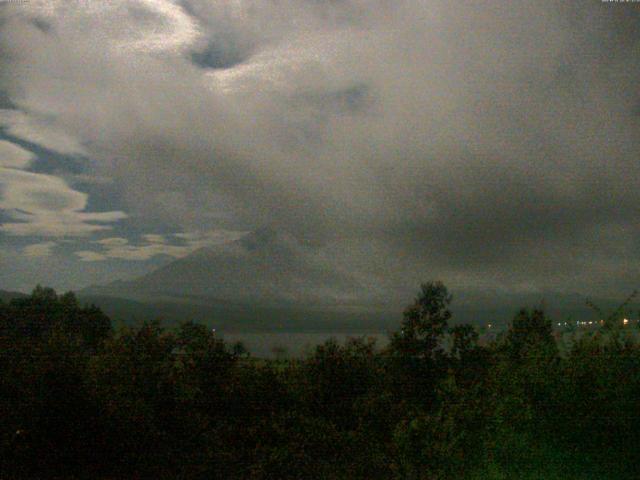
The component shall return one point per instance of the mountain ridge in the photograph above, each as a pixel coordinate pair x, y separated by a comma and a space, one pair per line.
264, 266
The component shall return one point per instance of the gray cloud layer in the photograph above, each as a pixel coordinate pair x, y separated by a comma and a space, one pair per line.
486, 143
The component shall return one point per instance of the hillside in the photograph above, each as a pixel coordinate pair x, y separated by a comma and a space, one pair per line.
266, 266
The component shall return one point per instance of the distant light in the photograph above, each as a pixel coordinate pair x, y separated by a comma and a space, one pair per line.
489, 325
625, 321
590, 322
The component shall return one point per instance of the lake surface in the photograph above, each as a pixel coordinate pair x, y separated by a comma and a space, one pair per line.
272, 345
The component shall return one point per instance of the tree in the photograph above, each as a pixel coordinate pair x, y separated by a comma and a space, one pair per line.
44, 313
531, 333
339, 375
424, 322
47, 417
417, 348
464, 340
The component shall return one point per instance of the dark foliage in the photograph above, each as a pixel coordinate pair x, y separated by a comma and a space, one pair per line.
78, 400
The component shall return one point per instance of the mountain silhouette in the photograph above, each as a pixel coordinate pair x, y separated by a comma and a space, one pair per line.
265, 266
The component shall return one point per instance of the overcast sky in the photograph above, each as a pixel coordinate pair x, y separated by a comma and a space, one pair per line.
491, 144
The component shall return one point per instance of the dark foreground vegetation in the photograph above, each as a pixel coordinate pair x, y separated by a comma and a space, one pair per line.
78, 400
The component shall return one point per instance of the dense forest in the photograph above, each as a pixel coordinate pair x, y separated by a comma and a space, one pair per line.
79, 400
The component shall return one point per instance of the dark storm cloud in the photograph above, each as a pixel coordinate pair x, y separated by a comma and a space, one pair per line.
215, 56
484, 143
